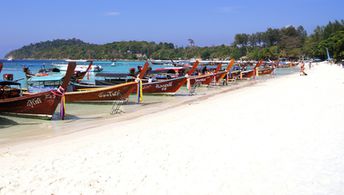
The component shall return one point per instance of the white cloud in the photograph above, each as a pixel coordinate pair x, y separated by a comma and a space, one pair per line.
113, 13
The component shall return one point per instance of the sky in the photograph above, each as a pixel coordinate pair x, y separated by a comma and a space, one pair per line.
207, 22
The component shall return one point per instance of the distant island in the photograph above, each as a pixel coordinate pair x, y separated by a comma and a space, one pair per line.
287, 42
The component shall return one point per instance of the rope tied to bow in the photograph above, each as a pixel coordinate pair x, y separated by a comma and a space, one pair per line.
139, 90
61, 93
188, 84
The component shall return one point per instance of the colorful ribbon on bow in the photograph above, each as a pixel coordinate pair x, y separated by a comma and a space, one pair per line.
60, 92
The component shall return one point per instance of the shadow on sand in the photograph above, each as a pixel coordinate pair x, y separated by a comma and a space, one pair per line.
5, 122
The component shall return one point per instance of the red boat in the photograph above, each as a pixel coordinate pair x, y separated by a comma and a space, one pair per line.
41, 105
265, 71
168, 85
222, 74
1, 66
206, 78
116, 92
267, 68
246, 73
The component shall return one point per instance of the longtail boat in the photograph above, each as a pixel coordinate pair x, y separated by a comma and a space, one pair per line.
168, 85
116, 92
80, 67
160, 86
41, 105
267, 69
246, 73
108, 79
79, 75
205, 79
45, 79
222, 74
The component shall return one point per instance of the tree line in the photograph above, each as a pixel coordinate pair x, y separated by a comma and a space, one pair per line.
287, 42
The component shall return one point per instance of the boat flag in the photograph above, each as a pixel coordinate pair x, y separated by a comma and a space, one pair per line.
139, 90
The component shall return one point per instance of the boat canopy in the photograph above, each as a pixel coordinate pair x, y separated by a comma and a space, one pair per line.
116, 75
46, 78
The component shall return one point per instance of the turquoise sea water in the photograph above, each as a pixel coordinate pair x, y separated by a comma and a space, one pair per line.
15, 67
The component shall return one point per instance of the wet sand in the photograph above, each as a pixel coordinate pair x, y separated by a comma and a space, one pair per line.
282, 136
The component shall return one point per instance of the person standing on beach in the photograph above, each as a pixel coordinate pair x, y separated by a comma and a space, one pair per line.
310, 65
302, 69
274, 66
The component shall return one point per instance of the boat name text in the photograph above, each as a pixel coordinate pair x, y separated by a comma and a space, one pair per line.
163, 87
109, 94
33, 102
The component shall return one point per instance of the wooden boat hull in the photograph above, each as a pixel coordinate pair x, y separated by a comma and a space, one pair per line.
265, 71
202, 79
165, 86
245, 74
41, 105
117, 92
248, 74
234, 74
220, 75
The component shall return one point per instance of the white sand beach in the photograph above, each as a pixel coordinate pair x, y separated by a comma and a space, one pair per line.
283, 136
